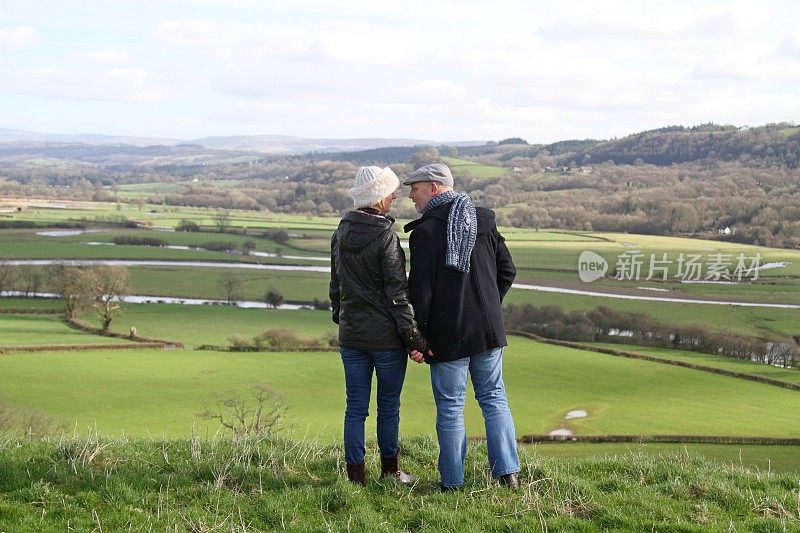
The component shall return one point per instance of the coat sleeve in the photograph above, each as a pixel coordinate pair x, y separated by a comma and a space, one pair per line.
334, 291
422, 277
506, 271
395, 286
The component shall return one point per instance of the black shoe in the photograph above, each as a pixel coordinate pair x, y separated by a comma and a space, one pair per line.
356, 474
448, 488
509, 480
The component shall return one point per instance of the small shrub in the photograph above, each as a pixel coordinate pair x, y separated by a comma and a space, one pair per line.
321, 305
219, 246
279, 235
131, 240
187, 225
273, 297
257, 415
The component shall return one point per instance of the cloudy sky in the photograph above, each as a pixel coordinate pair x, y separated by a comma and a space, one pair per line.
429, 69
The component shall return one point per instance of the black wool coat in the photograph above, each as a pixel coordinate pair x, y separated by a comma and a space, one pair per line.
369, 288
460, 314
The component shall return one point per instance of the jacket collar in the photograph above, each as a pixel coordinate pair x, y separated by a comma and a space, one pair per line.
364, 217
485, 217
439, 212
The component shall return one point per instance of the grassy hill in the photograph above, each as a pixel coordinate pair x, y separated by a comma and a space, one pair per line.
275, 483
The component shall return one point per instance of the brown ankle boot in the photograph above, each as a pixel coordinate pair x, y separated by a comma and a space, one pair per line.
356, 474
390, 466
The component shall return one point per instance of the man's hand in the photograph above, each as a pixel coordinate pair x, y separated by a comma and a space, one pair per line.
418, 357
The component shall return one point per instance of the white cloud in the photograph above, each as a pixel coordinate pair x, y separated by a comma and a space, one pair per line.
112, 84
110, 56
432, 69
18, 37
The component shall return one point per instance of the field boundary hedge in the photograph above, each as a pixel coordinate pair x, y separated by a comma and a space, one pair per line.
80, 347
268, 349
140, 341
694, 439
653, 359
30, 311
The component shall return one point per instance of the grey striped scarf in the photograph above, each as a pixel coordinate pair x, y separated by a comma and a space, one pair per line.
462, 227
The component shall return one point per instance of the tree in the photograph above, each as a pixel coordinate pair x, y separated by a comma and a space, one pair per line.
424, 156
33, 281
70, 283
8, 276
247, 247
230, 283
108, 285
513, 140
273, 297
222, 220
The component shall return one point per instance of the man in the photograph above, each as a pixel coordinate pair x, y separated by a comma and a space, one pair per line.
460, 271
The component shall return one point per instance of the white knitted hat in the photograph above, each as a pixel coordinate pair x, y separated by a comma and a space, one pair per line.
373, 184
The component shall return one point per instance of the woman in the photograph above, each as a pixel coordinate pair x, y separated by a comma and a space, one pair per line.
369, 296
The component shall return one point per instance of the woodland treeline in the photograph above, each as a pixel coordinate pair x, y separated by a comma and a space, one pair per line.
603, 324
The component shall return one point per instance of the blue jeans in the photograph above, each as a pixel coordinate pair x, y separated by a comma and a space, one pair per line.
390, 367
449, 381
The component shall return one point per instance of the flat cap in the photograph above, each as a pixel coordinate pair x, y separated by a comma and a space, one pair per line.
433, 172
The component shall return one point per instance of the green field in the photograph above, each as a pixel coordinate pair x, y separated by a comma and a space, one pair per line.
464, 167
769, 458
203, 283
26, 244
43, 330
141, 392
167, 216
791, 375
197, 325
154, 391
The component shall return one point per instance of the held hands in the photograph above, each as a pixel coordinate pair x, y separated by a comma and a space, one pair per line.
418, 357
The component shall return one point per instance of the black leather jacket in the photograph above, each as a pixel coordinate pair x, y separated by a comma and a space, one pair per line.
369, 288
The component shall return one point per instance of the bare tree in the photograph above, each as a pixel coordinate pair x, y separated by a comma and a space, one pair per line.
247, 246
108, 285
33, 281
222, 220
230, 283
71, 284
8, 276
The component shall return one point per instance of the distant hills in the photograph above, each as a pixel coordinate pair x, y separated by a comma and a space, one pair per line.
269, 144
771, 144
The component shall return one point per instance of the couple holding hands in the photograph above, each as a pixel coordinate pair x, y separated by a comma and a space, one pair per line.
447, 313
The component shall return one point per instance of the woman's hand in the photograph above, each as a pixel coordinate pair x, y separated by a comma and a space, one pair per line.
418, 357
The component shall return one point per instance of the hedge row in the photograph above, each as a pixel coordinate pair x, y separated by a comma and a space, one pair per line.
79, 347
29, 311
140, 341
653, 359
695, 439
217, 348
